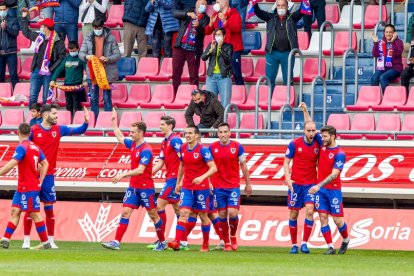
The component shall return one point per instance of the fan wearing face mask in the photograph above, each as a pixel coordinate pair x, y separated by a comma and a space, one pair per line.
281, 37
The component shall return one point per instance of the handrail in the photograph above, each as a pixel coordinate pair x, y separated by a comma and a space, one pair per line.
362, 48
291, 54
237, 111
292, 112
351, 23
406, 18
269, 108
380, 10
344, 90
326, 23
313, 98
392, 11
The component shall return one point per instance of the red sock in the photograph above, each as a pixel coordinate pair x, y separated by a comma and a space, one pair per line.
27, 224
180, 231
206, 233
122, 227
41, 231
234, 223
9, 230
224, 225
307, 229
217, 227
163, 217
160, 230
293, 229
50, 221
326, 232
344, 231
191, 223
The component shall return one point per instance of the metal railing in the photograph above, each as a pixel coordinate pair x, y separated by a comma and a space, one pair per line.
313, 98
362, 49
228, 109
406, 18
324, 24
269, 108
392, 11
351, 23
344, 89
289, 73
380, 11
292, 112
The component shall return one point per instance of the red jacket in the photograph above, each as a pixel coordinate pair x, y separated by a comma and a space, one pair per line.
233, 29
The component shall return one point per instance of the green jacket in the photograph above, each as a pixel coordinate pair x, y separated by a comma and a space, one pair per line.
410, 29
73, 68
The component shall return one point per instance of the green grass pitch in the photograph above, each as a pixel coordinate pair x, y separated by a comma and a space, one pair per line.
76, 258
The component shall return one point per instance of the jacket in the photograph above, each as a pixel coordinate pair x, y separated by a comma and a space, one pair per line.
110, 49
272, 19
224, 59
8, 43
134, 12
398, 48
163, 8
184, 21
233, 29
58, 52
211, 114
67, 12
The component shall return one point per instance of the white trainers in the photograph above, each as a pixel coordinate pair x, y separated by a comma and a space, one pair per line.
53, 245
26, 244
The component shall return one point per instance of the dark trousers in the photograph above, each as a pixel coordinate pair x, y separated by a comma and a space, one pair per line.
406, 75
180, 56
67, 30
11, 61
236, 66
318, 9
157, 36
73, 101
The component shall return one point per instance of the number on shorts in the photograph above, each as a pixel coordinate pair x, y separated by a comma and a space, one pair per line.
294, 196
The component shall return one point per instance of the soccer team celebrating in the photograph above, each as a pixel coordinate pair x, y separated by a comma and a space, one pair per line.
201, 181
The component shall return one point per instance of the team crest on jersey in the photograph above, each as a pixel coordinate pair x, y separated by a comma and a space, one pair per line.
316, 150
54, 134
233, 150
331, 155
196, 155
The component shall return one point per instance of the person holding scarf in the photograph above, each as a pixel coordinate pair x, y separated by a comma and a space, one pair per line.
388, 52
188, 45
49, 53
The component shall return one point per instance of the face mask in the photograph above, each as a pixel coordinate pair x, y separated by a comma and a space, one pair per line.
98, 32
3, 13
281, 12
73, 54
218, 38
216, 7
202, 8
200, 104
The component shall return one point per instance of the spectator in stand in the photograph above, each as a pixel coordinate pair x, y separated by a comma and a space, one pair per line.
161, 25
9, 30
241, 7
66, 17
35, 113
343, 3
189, 43
205, 105
282, 37
408, 72
219, 66
388, 52
229, 19
49, 53
73, 67
89, 10
135, 20
102, 44
314, 8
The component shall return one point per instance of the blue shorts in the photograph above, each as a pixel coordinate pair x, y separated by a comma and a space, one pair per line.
134, 198
196, 200
227, 198
168, 191
213, 204
300, 196
330, 202
27, 202
48, 190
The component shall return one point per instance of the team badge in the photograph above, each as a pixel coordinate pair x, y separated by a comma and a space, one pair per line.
233, 150
331, 155
316, 205
54, 134
335, 201
316, 150
292, 203
196, 155
23, 197
143, 195
233, 194
200, 197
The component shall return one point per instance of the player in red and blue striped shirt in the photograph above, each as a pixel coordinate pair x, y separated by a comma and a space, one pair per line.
27, 157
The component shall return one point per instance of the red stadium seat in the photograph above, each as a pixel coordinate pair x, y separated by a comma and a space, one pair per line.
115, 16
146, 69
341, 43
279, 97
165, 72
368, 97
259, 70
79, 118
26, 69
11, 118
103, 121
119, 93
201, 71
371, 17
310, 70
22, 42
409, 105
64, 117
5, 90
238, 94
139, 93
408, 125
339, 121
331, 14
183, 97
117, 35
250, 103
248, 121
22, 88
394, 96
361, 122
231, 120
127, 118
261, 51
152, 119
247, 67
180, 122
386, 122
163, 94
303, 40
